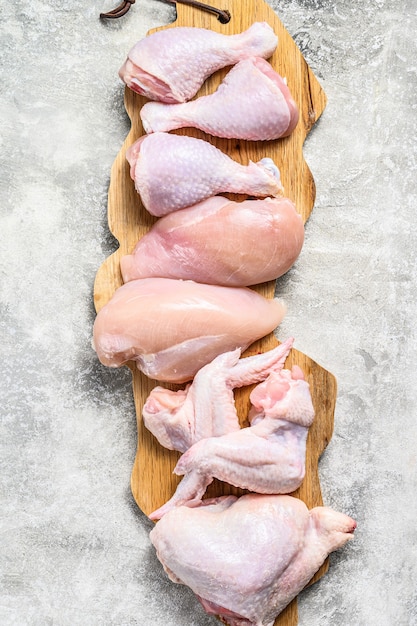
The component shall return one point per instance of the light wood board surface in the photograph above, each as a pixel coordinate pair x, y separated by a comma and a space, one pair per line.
152, 480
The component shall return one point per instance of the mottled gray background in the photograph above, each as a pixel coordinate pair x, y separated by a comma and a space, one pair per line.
75, 548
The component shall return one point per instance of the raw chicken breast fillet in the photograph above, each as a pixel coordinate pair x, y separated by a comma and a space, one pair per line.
253, 102
205, 408
172, 328
247, 558
171, 65
267, 457
220, 242
175, 171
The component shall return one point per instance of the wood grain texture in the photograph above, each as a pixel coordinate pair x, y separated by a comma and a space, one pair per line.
152, 480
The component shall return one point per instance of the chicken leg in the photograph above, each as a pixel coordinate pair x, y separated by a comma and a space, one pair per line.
171, 65
247, 558
175, 171
253, 102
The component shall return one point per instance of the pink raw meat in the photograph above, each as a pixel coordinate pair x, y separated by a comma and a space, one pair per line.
205, 408
220, 242
267, 457
247, 558
175, 171
171, 65
253, 102
172, 328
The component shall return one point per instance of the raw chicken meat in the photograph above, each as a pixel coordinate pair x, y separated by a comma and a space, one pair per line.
253, 102
175, 171
247, 558
205, 408
268, 457
220, 242
171, 65
171, 328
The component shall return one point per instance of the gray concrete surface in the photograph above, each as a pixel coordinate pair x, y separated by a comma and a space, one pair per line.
74, 547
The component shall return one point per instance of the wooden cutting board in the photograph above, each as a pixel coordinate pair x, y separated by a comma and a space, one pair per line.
152, 480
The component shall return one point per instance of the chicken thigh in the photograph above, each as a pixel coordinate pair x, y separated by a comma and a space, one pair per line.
205, 408
171, 328
247, 558
175, 171
171, 65
268, 457
220, 242
253, 102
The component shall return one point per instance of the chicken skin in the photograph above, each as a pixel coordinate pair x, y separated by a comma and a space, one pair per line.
171, 65
261, 112
172, 328
175, 171
217, 241
205, 408
268, 457
246, 558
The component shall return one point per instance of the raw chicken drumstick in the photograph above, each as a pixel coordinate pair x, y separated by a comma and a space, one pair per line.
267, 457
220, 242
171, 65
175, 171
171, 328
253, 102
247, 558
205, 408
